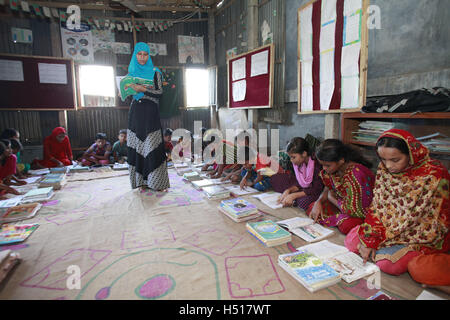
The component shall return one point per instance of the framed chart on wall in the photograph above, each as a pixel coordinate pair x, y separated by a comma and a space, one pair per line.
332, 56
250, 79
36, 83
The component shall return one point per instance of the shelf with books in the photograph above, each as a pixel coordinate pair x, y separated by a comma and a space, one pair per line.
356, 129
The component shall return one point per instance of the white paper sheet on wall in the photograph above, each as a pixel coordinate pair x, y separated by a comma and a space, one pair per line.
238, 67
52, 73
352, 28
11, 70
260, 63
328, 11
307, 98
306, 47
326, 93
350, 92
239, 90
307, 78
327, 66
305, 17
327, 35
351, 6
350, 60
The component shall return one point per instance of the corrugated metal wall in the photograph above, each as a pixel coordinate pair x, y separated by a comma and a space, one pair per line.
85, 123
231, 31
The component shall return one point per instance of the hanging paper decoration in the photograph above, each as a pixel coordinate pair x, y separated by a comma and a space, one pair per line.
55, 13
25, 6
47, 12
63, 16
14, 4
37, 10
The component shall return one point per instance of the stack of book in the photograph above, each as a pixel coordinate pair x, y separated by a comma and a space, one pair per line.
120, 166
39, 172
37, 195
268, 233
436, 142
8, 259
216, 192
192, 176
200, 184
239, 209
369, 131
59, 170
19, 212
55, 180
78, 168
306, 229
309, 270
10, 234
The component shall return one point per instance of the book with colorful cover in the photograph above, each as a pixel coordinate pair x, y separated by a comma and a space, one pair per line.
349, 265
127, 90
268, 232
238, 207
309, 270
20, 212
55, 180
241, 218
10, 234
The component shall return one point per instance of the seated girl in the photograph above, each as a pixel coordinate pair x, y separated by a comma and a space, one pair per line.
4, 189
8, 165
348, 187
21, 168
308, 185
98, 153
57, 150
410, 212
250, 176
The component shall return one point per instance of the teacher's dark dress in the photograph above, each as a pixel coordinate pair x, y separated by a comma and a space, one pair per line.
146, 154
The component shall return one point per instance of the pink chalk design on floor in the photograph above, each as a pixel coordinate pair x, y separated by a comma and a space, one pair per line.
156, 287
262, 278
140, 239
50, 203
54, 275
214, 241
62, 218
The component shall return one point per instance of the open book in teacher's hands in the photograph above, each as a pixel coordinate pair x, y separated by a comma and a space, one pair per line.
125, 86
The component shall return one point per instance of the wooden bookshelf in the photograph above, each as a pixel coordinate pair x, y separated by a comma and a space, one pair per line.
419, 124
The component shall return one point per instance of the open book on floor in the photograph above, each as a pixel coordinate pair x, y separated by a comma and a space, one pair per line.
19, 212
348, 264
236, 190
308, 269
270, 199
306, 229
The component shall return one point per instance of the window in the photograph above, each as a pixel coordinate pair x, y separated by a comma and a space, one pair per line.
197, 86
97, 86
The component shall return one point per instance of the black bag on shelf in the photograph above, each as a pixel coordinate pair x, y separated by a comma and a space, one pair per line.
423, 100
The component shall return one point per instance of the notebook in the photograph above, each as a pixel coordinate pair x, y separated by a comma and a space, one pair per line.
348, 264
268, 233
36, 195
39, 172
59, 170
55, 180
192, 176
11, 202
270, 199
20, 212
309, 270
199, 184
240, 218
306, 229
10, 234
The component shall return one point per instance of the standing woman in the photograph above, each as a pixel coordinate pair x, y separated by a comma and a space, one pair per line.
146, 154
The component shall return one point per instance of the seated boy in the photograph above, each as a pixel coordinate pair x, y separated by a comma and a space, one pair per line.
98, 153
250, 177
120, 149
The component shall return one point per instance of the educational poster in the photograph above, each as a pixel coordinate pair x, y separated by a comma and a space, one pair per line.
190, 50
121, 48
52, 73
103, 39
231, 53
260, 63
22, 35
11, 70
77, 44
157, 49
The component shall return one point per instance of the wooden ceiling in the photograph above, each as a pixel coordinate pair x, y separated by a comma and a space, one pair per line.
142, 5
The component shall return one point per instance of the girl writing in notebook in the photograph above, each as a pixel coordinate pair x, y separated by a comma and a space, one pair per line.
308, 185
348, 187
409, 219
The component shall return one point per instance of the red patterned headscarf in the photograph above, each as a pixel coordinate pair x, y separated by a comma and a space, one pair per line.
411, 207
